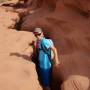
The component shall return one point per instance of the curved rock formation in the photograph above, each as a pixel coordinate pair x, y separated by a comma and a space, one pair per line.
8, 18
17, 71
67, 23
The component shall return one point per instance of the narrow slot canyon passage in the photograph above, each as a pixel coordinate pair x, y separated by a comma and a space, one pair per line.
66, 22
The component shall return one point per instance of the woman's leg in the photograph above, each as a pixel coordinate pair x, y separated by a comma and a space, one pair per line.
45, 75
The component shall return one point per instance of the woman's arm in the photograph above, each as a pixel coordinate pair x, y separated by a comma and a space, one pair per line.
55, 55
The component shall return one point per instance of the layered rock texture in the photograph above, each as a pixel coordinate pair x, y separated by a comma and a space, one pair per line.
67, 22
17, 71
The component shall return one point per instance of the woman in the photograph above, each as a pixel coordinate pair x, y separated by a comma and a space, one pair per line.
47, 53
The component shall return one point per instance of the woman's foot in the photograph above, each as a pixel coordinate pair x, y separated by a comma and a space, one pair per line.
47, 88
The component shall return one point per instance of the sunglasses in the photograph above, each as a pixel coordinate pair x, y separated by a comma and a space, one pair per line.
38, 34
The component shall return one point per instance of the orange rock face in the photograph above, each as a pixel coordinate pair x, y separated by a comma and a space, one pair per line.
8, 19
17, 71
83, 5
67, 23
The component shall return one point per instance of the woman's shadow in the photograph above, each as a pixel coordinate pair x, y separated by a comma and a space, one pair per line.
26, 57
